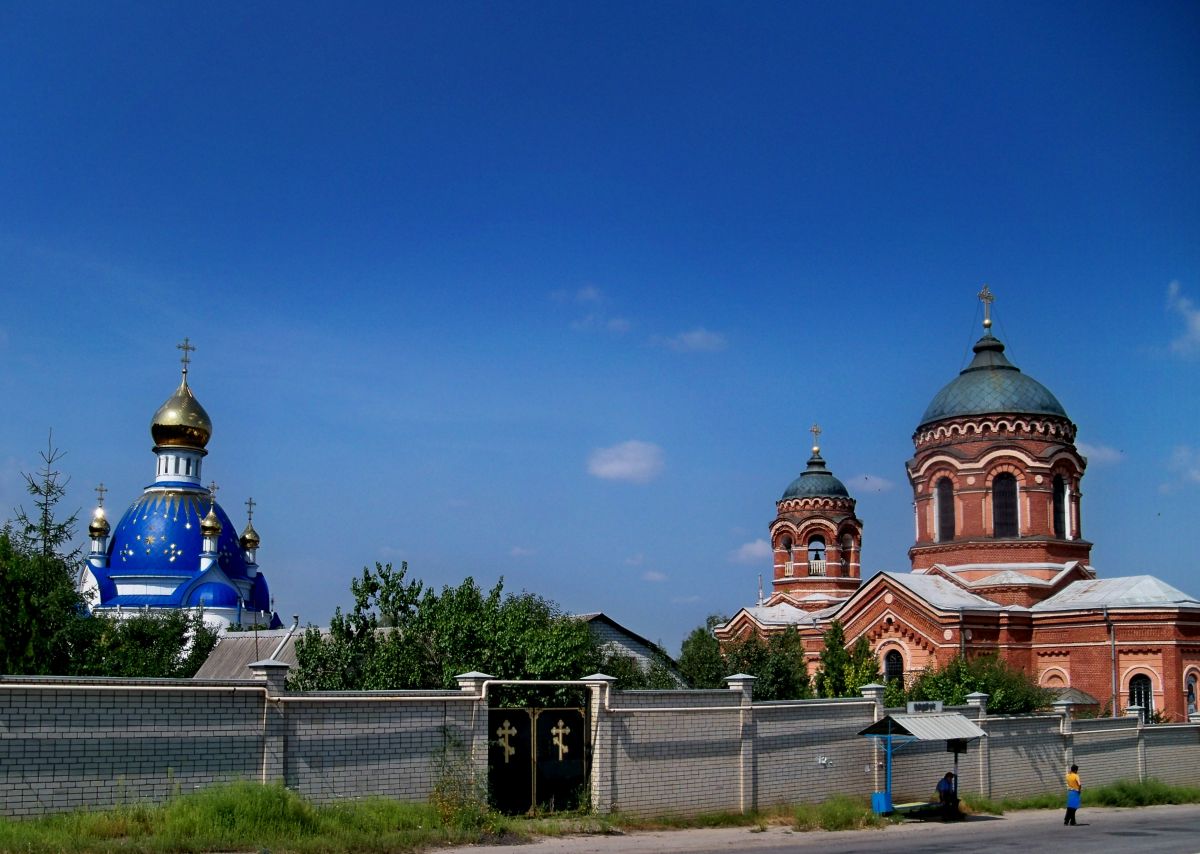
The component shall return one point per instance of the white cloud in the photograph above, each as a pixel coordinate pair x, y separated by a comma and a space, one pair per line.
698, 340
589, 293
652, 575
870, 483
635, 560
752, 552
1099, 453
518, 551
635, 461
1185, 461
1189, 342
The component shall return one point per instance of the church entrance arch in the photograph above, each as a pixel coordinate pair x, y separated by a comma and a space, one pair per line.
537, 758
1141, 693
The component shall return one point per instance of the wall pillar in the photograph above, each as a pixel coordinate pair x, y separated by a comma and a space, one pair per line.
603, 773
1135, 712
874, 692
273, 675
473, 683
743, 684
1063, 707
978, 700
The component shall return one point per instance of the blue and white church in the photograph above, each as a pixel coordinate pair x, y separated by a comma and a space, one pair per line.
175, 548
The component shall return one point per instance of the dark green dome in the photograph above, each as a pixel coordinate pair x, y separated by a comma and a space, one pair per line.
816, 482
991, 383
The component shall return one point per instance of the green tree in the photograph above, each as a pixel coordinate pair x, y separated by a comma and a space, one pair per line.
700, 660
41, 612
778, 665
401, 635
832, 677
42, 532
1010, 690
863, 668
151, 645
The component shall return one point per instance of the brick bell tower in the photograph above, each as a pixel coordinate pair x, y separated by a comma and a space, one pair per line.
995, 480
816, 538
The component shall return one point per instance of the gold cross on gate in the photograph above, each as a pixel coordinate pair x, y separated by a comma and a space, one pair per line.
187, 349
987, 298
504, 733
100, 490
816, 431
559, 732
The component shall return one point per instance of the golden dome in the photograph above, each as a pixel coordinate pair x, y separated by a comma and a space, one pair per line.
210, 525
99, 526
181, 421
249, 538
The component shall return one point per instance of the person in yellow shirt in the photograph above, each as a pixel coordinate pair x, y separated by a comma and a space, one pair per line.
1074, 794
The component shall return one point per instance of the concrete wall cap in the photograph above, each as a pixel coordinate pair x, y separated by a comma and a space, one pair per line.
599, 677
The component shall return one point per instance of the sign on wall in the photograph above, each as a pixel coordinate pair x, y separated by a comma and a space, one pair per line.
916, 707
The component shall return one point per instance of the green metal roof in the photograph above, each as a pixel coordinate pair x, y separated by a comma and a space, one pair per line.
991, 383
816, 481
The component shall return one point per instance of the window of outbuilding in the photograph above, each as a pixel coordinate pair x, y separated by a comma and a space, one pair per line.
1004, 505
945, 510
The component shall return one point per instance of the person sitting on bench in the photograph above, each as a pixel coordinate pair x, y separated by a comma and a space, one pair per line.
948, 796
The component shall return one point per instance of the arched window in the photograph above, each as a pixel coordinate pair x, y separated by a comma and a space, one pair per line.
1190, 694
1004, 506
816, 555
786, 545
1060, 507
847, 547
945, 510
1141, 693
893, 666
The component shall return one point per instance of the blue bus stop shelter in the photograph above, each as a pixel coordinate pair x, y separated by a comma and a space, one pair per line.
900, 730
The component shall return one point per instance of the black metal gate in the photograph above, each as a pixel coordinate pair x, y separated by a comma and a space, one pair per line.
537, 757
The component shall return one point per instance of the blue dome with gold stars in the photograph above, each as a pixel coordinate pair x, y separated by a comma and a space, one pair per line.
160, 534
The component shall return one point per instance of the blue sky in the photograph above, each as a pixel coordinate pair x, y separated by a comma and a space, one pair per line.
553, 291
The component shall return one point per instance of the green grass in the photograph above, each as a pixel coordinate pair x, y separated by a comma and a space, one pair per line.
1123, 793
250, 817
838, 813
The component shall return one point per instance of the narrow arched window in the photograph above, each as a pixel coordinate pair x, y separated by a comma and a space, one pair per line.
816, 555
1004, 506
847, 547
786, 545
1190, 694
945, 510
893, 666
1060, 506
1141, 693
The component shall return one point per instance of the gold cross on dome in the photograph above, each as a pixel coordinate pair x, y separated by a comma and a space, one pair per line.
187, 349
249, 509
987, 298
212, 494
100, 490
816, 431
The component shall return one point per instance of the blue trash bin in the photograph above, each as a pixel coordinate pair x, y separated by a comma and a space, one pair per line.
881, 802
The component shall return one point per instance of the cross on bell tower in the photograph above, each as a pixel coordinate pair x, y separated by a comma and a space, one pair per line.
816, 434
987, 298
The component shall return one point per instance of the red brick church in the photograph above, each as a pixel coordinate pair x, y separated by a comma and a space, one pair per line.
999, 563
